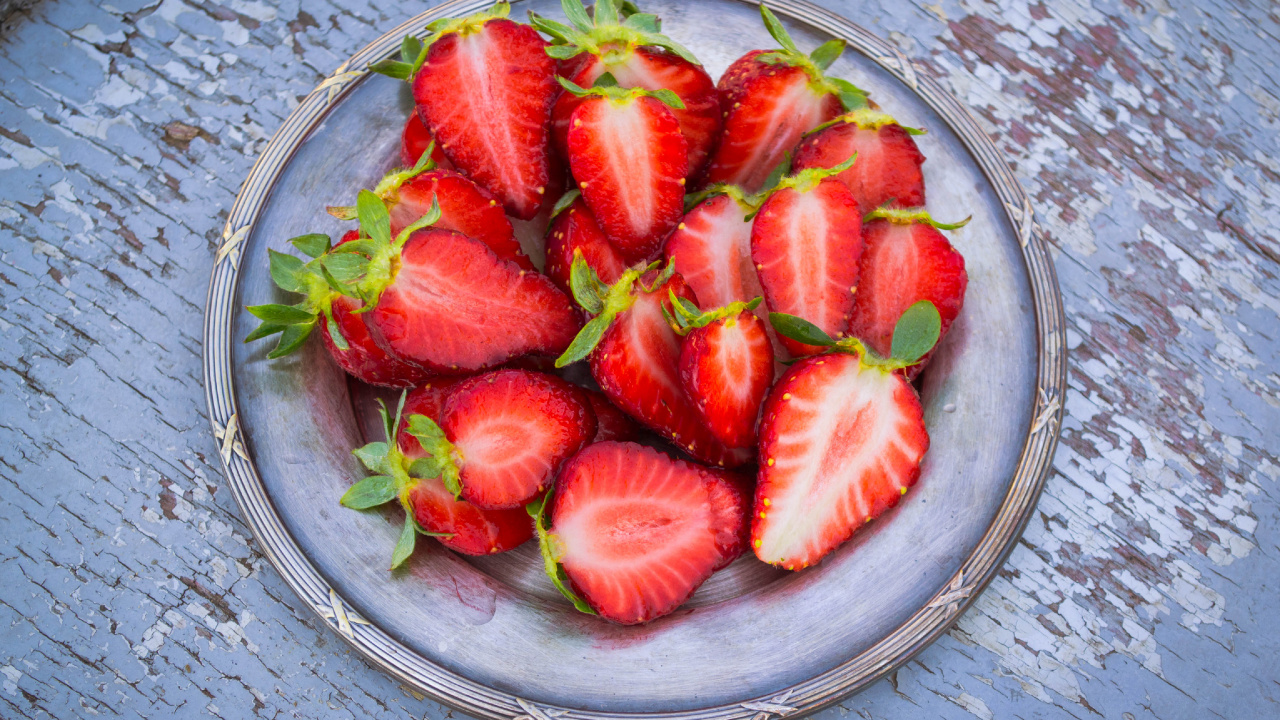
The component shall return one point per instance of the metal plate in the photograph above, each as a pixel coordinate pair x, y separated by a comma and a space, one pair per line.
490, 636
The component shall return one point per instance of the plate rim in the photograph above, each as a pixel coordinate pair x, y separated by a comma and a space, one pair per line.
890, 652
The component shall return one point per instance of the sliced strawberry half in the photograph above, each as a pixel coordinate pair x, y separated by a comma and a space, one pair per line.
840, 443
635, 531
611, 423
806, 242
906, 260
731, 499
485, 89
465, 527
634, 355
629, 158
452, 305
888, 164
464, 207
362, 358
415, 139
575, 229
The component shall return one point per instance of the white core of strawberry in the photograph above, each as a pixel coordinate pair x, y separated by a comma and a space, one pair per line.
478, 53
807, 257
505, 442
720, 270
734, 354
797, 111
624, 131
821, 459
653, 353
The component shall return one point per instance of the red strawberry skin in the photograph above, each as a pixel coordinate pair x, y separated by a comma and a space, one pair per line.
637, 365
512, 429
726, 368
651, 69
611, 423
639, 530
766, 108
839, 445
475, 531
575, 228
630, 160
414, 140
464, 207
487, 97
887, 168
455, 307
806, 246
902, 265
731, 500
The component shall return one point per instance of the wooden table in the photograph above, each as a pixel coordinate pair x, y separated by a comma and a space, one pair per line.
1146, 584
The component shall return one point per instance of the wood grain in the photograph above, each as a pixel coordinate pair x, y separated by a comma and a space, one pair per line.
1144, 587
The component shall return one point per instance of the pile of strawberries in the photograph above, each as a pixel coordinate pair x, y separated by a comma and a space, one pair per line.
700, 238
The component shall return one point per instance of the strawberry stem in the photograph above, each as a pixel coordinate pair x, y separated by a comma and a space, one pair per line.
910, 216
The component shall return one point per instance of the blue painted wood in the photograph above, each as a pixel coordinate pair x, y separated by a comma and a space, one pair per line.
1144, 587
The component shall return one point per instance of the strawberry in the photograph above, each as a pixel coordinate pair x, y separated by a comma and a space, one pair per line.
888, 164
444, 301
341, 328
841, 439
501, 436
731, 496
484, 86
633, 532
629, 158
464, 207
906, 260
404, 472
768, 100
415, 140
573, 227
805, 242
635, 356
611, 423
726, 366
636, 55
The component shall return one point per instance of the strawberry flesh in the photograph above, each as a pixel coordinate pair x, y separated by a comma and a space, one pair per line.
464, 207
639, 530
806, 247
511, 430
731, 498
487, 95
611, 423
455, 306
414, 140
575, 228
766, 108
726, 368
887, 168
839, 444
630, 160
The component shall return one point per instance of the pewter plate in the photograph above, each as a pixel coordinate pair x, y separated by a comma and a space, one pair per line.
490, 636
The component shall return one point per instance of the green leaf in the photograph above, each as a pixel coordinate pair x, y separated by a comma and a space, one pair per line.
404, 546
606, 13
644, 22
564, 52
605, 80
800, 330
917, 332
548, 545
586, 340
851, 96
281, 314
628, 8
370, 492
374, 219
425, 468
668, 97
264, 330
388, 429
577, 14
291, 339
565, 201
431, 217
426, 430
286, 271
375, 457
663, 41
393, 69
410, 49
778, 172
312, 244
345, 267
586, 286
335, 333
827, 53
779, 33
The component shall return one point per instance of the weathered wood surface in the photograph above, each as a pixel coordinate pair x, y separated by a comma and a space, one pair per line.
1146, 584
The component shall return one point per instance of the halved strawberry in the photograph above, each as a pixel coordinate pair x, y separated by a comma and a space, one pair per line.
629, 158
726, 367
635, 531
906, 260
342, 330
732, 495
403, 471
806, 242
415, 140
575, 228
485, 89
611, 423
636, 55
635, 355
769, 100
888, 164
502, 436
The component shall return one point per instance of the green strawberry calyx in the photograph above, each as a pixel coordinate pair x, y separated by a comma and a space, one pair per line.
867, 119
911, 216
814, 64
686, 317
294, 323
394, 478
388, 188
605, 302
606, 86
748, 202
914, 335
413, 51
804, 181
612, 34
552, 550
